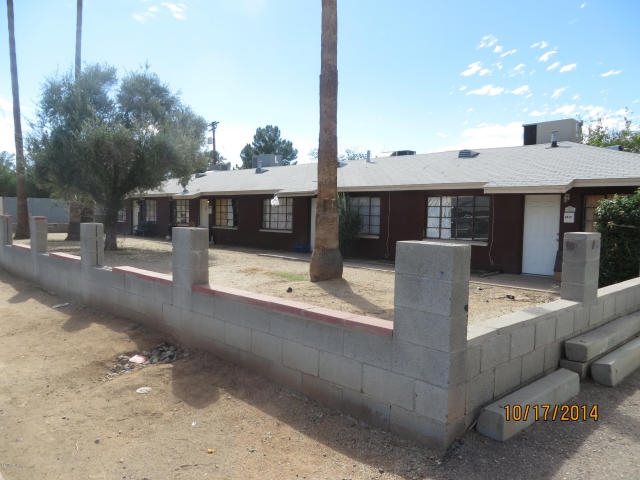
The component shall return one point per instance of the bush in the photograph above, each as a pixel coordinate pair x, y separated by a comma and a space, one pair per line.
618, 221
349, 223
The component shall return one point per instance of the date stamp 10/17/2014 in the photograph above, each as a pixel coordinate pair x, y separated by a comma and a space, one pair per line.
551, 413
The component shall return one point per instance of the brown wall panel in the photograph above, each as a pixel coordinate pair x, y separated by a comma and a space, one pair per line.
249, 231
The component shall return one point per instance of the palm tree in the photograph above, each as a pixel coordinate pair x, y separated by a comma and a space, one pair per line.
78, 37
22, 227
75, 207
326, 260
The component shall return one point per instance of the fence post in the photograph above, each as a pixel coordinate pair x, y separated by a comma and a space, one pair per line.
91, 244
580, 267
6, 233
190, 261
38, 230
430, 334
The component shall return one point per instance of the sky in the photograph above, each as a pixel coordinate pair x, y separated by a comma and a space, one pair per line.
419, 75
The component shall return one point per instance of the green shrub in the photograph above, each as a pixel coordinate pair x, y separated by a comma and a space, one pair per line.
349, 224
618, 221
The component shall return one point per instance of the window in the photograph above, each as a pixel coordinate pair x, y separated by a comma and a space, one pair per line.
122, 215
182, 212
226, 213
151, 209
369, 210
280, 217
462, 217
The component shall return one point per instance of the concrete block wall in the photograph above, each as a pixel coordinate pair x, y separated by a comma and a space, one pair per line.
423, 375
507, 352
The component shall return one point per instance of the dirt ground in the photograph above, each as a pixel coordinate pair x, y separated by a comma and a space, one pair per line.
366, 287
65, 415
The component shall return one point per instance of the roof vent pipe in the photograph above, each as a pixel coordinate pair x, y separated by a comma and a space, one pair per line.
368, 156
554, 139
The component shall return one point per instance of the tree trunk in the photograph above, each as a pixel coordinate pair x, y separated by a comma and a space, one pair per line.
75, 211
22, 227
111, 224
78, 38
326, 260
111, 235
75, 208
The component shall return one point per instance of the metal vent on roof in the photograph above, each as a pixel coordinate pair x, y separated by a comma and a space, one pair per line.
467, 154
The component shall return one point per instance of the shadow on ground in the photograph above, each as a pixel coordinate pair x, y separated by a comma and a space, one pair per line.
547, 450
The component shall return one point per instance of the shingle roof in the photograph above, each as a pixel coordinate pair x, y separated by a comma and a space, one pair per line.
524, 169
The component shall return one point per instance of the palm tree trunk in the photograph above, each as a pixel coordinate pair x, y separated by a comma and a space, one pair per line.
22, 228
75, 208
78, 38
326, 260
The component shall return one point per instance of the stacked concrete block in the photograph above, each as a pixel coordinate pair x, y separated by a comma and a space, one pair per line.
190, 262
91, 244
580, 267
419, 376
614, 367
6, 232
430, 340
554, 389
38, 234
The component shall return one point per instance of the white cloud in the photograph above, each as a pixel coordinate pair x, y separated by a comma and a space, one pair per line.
498, 65
553, 66
575, 97
472, 69
483, 72
148, 14
441, 135
508, 52
463, 88
583, 4
546, 56
6, 105
487, 136
593, 111
557, 92
610, 73
518, 67
568, 68
567, 110
498, 49
487, 90
177, 10
537, 113
487, 41
542, 44
521, 90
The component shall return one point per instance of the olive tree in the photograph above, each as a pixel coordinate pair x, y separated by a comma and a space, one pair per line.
106, 138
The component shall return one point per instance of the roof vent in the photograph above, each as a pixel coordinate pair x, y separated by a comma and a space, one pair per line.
554, 139
468, 154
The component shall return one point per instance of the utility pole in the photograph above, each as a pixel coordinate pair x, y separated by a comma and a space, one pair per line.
214, 153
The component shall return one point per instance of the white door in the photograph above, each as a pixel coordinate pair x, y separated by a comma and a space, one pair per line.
541, 231
204, 213
314, 206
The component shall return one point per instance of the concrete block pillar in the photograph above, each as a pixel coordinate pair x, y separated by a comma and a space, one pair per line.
6, 233
91, 244
430, 329
38, 232
580, 267
190, 260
